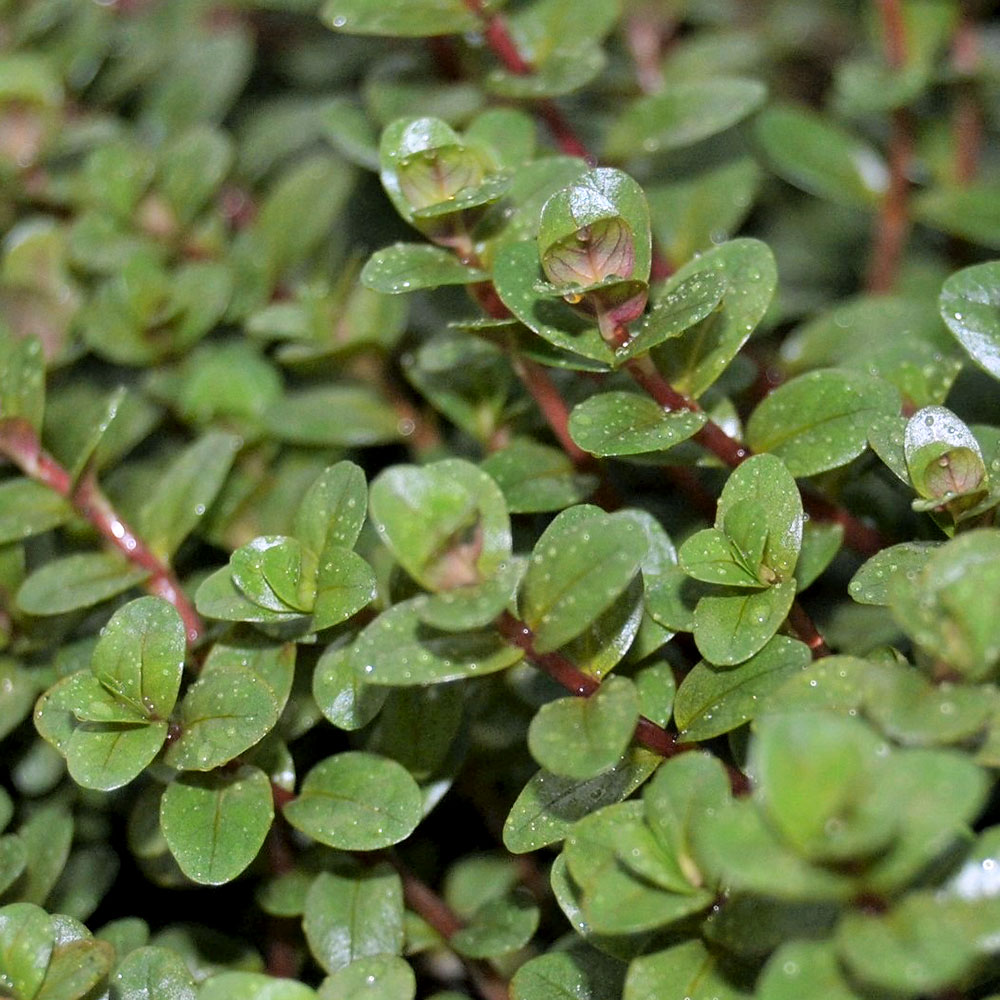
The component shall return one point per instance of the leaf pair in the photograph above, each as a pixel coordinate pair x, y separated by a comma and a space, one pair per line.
312, 579
752, 552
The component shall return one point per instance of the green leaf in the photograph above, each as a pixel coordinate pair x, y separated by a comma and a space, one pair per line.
827, 798
343, 697
252, 986
343, 415
345, 584
600, 646
399, 649
692, 215
712, 700
820, 420
685, 792
730, 628
675, 311
548, 805
140, 656
821, 158
914, 712
871, 584
22, 380
921, 946
968, 304
28, 508
615, 900
969, 212
446, 523
219, 597
947, 606
583, 737
695, 360
153, 974
820, 544
474, 606
408, 267
225, 712
535, 477
75, 969
381, 977
78, 581
26, 941
804, 968
277, 573
333, 510
515, 274
685, 970
712, 556
498, 927
186, 491
740, 849
248, 650
581, 564
215, 824
411, 18
625, 423
893, 337
105, 756
576, 972
335, 805
19, 692
13, 858
47, 835
682, 115
348, 917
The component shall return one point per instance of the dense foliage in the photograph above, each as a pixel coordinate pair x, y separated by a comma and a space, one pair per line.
499, 499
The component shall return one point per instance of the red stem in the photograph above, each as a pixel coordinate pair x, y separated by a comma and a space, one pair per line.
892, 224
19, 442
574, 680
967, 120
806, 630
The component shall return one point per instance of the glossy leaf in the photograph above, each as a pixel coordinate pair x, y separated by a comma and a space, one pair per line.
682, 115
348, 917
625, 423
140, 656
516, 273
345, 415
345, 583
819, 421
582, 737
186, 491
400, 649
216, 823
498, 927
22, 380
578, 972
335, 805
105, 756
153, 973
75, 969
408, 267
333, 509
968, 305
713, 700
26, 940
252, 986
381, 977
225, 712
696, 359
548, 805
579, 567
28, 508
686, 970
804, 968
341, 693
872, 583
536, 477
822, 158
77, 581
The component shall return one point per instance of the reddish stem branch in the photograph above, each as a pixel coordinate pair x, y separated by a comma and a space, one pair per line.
892, 224
806, 630
19, 442
967, 118
422, 899
574, 680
